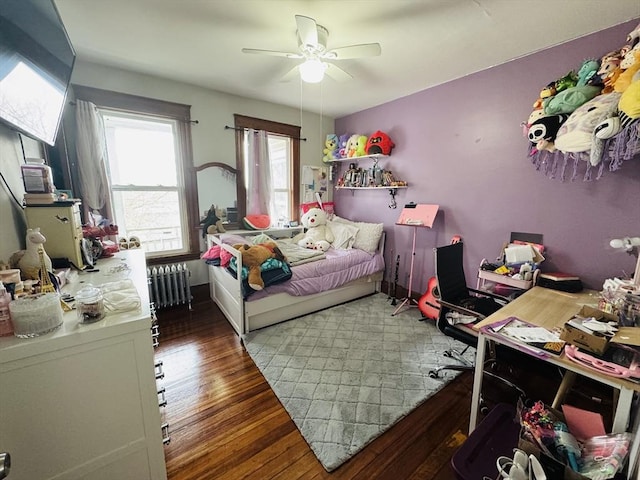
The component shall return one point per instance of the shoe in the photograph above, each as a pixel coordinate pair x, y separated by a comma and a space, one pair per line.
516, 468
454, 318
134, 242
123, 244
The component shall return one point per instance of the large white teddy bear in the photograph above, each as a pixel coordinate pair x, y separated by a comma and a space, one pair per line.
318, 235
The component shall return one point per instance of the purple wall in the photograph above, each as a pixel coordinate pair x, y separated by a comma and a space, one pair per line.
460, 145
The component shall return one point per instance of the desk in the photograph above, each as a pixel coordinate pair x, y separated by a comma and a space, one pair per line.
550, 309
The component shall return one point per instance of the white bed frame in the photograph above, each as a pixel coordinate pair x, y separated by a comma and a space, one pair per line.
246, 316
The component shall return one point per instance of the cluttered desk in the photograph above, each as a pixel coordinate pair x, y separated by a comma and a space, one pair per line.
550, 309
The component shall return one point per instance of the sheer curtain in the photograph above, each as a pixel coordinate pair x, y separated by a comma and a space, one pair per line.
91, 150
259, 198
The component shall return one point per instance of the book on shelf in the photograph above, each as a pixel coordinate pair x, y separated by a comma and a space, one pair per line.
530, 338
559, 276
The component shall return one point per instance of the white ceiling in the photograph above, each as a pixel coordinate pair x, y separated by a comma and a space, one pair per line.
424, 42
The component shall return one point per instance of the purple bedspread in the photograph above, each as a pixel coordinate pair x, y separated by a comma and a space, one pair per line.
340, 267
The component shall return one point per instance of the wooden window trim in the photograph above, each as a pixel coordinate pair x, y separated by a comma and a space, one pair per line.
149, 106
242, 122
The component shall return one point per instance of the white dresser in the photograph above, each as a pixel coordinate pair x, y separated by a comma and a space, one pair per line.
82, 402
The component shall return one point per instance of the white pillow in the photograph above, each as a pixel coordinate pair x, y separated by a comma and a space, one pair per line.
344, 233
368, 234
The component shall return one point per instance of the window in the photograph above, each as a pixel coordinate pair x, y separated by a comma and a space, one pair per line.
284, 157
150, 170
147, 191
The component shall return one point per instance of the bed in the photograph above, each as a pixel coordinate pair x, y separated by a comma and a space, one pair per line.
360, 256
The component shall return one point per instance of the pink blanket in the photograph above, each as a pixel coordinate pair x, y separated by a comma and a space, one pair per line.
340, 267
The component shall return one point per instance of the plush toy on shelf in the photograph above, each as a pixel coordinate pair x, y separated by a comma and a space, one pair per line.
342, 145
361, 146
379, 142
330, 148
352, 145
318, 236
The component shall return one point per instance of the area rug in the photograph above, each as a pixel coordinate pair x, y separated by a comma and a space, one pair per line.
348, 373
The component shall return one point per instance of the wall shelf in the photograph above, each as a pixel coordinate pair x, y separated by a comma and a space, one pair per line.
381, 187
393, 190
375, 157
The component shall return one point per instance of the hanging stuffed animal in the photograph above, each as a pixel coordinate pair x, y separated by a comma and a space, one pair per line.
542, 133
577, 133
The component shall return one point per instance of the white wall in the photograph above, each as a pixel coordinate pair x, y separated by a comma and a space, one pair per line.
13, 224
211, 142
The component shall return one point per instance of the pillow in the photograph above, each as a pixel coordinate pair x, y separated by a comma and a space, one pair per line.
368, 234
344, 235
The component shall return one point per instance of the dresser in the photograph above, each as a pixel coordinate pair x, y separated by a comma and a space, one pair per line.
60, 223
82, 402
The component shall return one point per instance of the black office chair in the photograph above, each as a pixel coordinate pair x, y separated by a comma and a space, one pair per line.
455, 296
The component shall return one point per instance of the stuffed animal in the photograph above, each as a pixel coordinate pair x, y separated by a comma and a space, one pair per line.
361, 150
542, 132
253, 256
379, 142
587, 75
352, 145
342, 145
331, 147
318, 236
211, 224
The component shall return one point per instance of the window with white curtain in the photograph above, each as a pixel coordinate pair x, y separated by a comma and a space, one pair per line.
150, 172
284, 159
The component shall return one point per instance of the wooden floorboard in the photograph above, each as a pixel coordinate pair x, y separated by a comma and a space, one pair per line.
227, 424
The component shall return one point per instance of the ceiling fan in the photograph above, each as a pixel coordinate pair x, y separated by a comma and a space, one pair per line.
312, 46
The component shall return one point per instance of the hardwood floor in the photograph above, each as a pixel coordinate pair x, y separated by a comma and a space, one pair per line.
226, 423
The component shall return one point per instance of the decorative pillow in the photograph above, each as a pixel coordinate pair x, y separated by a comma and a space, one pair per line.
344, 235
368, 234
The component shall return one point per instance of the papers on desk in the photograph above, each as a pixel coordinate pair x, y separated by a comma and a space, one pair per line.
526, 336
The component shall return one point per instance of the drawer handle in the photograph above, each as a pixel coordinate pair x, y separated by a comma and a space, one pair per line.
166, 438
159, 370
162, 401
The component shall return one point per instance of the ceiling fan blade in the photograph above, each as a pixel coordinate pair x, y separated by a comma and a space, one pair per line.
338, 74
354, 51
307, 31
290, 75
273, 53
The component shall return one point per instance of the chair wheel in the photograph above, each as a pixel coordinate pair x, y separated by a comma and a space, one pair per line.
433, 374
447, 354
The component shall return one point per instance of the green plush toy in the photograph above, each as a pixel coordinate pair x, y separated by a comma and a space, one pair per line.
331, 148
361, 148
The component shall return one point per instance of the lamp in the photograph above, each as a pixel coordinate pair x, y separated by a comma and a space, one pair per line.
631, 245
312, 70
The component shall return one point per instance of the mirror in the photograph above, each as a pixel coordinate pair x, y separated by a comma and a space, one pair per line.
217, 185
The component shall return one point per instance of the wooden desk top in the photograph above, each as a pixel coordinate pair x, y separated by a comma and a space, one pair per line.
550, 309
543, 307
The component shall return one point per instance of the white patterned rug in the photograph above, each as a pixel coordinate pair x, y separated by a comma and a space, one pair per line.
348, 373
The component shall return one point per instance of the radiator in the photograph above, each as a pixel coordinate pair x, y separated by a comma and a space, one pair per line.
169, 285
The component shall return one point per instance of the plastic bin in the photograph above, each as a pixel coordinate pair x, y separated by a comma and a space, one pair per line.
497, 435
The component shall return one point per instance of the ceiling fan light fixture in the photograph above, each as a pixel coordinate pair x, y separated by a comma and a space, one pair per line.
312, 70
